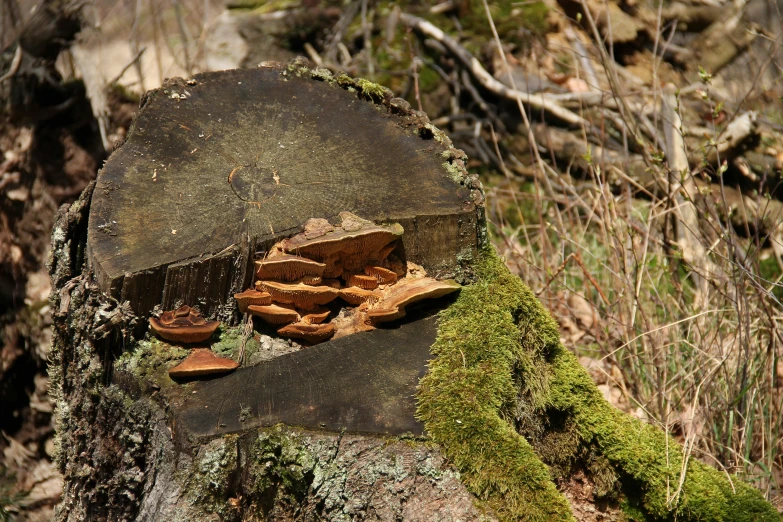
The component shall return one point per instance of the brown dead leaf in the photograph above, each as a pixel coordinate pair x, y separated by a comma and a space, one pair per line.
576, 85
581, 310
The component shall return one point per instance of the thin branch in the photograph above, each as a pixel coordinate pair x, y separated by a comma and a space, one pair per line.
536, 101
14, 64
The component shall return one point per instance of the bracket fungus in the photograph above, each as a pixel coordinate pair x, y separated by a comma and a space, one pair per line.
301, 275
183, 325
305, 297
348, 247
312, 333
286, 267
406, 292
356, 296
384, 276
317, 316
367, 282
274, 314
202, 361
252, 297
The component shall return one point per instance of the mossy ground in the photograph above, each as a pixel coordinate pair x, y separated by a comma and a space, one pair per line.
498, 355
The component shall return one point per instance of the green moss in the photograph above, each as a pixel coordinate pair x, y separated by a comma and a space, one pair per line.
465, 398
373, 91
282, 465
454, 173
497, 347
230, 344
151, 360
649, 457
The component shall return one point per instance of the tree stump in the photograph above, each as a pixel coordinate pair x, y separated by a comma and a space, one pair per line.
480, 413
216, 169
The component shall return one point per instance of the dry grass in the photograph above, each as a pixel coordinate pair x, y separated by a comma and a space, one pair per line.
701, 361
691, 343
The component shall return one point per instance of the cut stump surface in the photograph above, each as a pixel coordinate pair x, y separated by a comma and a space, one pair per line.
225, 164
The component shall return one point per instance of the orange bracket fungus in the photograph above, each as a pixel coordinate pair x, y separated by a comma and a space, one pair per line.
406, 292
356, 296
285, 267
382, 275
301, 275
363, 281
305, 297
317, 316
349, 247
274, 314
252, 297
183, 325
202, 361
312, 333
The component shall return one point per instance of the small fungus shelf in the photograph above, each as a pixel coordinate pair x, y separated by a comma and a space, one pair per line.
202, 361
183, 325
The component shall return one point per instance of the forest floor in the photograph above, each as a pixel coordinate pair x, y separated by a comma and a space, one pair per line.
631, 154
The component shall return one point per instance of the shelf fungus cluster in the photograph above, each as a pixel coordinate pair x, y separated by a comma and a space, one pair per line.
186, 325
347, 272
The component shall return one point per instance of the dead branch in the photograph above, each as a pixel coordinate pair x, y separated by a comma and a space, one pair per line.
684, 188
536, 101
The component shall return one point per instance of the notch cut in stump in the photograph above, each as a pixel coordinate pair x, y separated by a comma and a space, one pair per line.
362, 383
225, 164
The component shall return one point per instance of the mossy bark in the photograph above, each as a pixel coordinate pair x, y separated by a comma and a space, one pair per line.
133, 444
503, 398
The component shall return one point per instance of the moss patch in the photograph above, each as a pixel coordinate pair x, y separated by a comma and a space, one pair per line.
282, 466
649, 458
230, 343
151, 360
465, 398
208, 478
498, 348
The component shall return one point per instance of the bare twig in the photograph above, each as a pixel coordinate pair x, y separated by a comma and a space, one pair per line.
185, 34
330, 48
414, 71
313, 54
537, 101
685, 192
128, 66
584, 60
366, 33
17, 60
616, 90
247, 333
